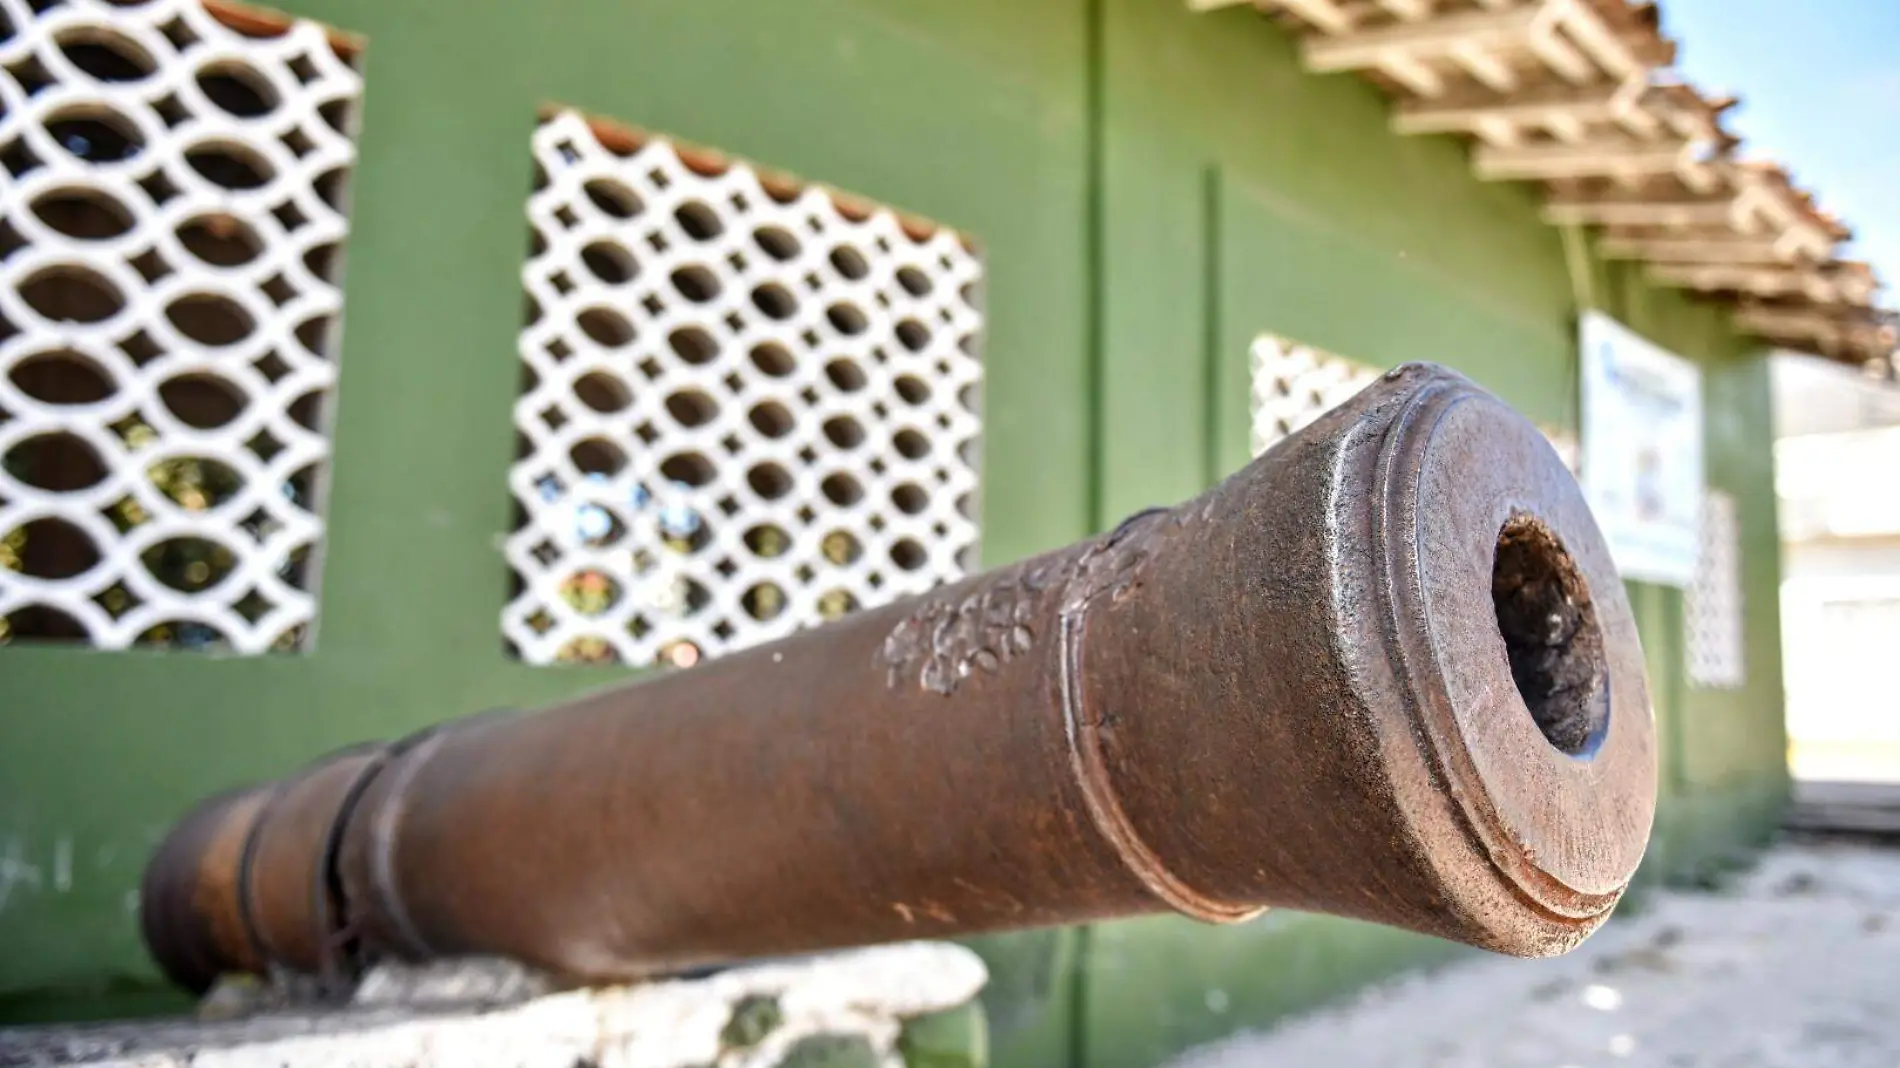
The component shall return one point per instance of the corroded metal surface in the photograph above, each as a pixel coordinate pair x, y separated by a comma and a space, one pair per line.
1387, 671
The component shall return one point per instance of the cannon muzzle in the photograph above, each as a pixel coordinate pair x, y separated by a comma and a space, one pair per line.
1387, 671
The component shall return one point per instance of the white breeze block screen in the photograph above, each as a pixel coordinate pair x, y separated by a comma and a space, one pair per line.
170, 230
748, 406
1294, 385
1712, 608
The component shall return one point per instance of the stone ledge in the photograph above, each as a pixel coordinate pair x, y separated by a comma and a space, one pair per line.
846, 1009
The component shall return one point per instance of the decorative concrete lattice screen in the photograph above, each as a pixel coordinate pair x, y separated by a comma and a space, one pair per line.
1294, 385
170, 237
1712, 612
748, 406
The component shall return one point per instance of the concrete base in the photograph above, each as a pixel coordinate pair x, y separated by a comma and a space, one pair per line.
898, 1005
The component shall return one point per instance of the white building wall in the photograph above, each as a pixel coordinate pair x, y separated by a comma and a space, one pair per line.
1838, 479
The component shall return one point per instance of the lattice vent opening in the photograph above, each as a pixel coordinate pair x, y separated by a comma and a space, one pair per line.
172, 217
1714, 621
1294, 384
748, 405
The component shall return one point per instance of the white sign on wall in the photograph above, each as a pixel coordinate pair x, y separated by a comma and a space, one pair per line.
1642, 451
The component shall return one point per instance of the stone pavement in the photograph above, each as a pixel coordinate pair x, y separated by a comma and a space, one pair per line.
1794, 965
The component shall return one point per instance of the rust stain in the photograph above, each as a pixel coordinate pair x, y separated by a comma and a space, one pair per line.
1287, 692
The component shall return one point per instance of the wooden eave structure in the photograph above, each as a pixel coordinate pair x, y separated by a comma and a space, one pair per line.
1578, 97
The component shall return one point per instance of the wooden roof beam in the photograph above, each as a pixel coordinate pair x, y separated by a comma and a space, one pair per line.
1639, 209
1814, 330
1712, 249
1762, 209
1473, 114
1835, 336
1323, 15
1772, 207
1486, 68
1587, 29
1585, 159
1559, 55
1441, 37
1688, 112
1814, 283
1413, 73
1805, 239
1795, 244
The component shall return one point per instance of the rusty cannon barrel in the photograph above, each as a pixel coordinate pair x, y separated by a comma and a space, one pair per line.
1387, 671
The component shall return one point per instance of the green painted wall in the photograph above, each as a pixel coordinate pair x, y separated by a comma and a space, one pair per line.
971, 113
1240, 195
1151, 189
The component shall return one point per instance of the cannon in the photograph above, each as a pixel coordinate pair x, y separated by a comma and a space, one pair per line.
1387, 671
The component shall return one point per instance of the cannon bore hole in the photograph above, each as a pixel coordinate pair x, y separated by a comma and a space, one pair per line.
1550, 632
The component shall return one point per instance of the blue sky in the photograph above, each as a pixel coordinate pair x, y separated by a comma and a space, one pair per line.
1820, 87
